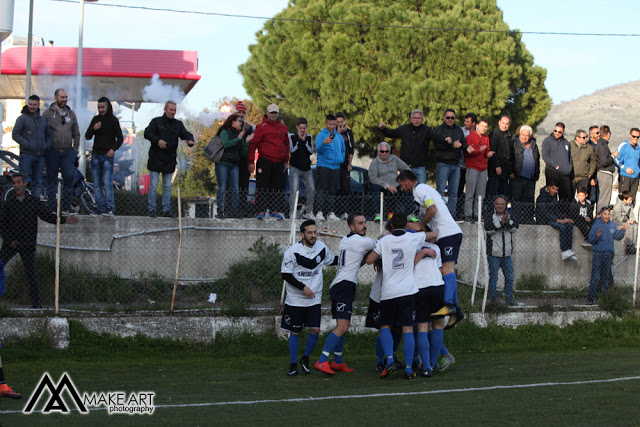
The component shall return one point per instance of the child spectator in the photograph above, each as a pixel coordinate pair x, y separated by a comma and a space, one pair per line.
601, 237
622, 213
581, 212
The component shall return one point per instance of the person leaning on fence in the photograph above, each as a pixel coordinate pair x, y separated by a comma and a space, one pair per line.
19, 230
108, 138
234, 139
301, 148
500, 227
164, 132
622, 213
301, 269
32, 134
601, 237
383, 171
581, 212
548, 212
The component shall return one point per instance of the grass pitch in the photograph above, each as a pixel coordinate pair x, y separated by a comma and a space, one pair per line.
533, 375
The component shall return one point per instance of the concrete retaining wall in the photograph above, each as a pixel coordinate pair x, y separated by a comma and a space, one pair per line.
139, 245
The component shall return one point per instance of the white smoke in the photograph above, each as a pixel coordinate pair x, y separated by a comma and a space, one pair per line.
159, 92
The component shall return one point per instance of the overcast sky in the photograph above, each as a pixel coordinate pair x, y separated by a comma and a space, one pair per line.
576, 65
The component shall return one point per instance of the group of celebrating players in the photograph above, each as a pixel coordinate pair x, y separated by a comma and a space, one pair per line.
414, 290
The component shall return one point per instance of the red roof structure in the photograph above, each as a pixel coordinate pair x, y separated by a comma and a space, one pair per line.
120, 74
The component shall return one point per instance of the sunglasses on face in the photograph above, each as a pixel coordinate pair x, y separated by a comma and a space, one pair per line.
383, 151
449, 118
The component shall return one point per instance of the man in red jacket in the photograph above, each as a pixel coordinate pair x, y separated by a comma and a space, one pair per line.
272, 142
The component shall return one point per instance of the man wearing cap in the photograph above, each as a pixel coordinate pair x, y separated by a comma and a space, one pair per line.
272, 142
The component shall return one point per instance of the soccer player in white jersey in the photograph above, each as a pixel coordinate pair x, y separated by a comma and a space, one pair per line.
397, 294
352, 250
302, 270
430, 298
436, 215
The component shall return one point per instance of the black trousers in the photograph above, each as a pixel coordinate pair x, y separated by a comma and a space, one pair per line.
28, 256
522, 199
270, 178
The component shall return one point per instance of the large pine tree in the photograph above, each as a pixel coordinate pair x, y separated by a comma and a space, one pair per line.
381, 73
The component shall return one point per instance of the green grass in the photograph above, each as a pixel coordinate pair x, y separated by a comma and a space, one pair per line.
246, 367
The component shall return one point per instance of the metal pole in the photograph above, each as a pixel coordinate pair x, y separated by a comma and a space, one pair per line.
381, 212
175, 281
27, 86
76, 105
56, 282
292, 239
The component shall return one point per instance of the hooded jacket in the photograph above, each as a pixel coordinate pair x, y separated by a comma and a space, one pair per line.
629, 157
109, 136
271, 139
169, 130
32, 133
499, 236
414, 149
65, 134
445, 152
330, 155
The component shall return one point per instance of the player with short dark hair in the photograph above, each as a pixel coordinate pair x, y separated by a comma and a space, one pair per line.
397, 294
352, 250
302, 270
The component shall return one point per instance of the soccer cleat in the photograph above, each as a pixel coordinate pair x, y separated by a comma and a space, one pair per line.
320, 216
293, 370
304, 364
454, 318
342, 367
388, 370
444, 311
416, 366
261, 215
377, 218
324, 367
427, 373
412, 218
380, 367
409, 375
446, 361
6, 391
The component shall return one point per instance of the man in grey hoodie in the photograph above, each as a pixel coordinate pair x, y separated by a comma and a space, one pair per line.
32, 133
61, 155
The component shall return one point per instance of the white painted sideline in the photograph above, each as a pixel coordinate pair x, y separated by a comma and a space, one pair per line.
360, 396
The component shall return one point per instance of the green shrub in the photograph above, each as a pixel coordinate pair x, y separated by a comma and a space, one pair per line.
615, 301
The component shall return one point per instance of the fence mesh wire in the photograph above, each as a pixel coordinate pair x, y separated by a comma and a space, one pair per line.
230, 260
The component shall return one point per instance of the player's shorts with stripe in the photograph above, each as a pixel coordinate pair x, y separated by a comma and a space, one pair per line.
449, 247
399, 311
373, 315
428, 300
295, 318
342, 296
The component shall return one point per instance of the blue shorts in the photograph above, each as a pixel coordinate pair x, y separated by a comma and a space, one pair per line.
449, 247
428, 300
295, 318
342, 296
399, 311
373, 315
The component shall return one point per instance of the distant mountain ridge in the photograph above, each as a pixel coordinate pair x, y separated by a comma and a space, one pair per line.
616, 106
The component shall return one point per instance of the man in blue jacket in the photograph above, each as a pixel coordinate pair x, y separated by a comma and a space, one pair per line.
330, 149
628, 162
33, 135
601, 237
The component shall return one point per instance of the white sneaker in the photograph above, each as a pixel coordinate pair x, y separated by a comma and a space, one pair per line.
345, 216
333, 217
571, 253
573, 258
564, 255
320, 216
308, 215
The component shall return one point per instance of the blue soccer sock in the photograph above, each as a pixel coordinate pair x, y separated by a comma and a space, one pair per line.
408, 347
337, 351
379, 350
436, 345
387, 345
312, 340
443, 349
329, 345
422, 345
294, 342
450, 285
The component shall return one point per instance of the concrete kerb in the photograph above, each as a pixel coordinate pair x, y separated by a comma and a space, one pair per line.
205, 329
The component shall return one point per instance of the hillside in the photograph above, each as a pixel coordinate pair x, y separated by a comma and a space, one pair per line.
616, 106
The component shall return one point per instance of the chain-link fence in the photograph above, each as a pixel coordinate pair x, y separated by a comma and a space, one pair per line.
133, 262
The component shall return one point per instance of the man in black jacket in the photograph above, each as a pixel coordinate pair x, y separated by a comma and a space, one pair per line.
525, 159
448, 158
19, 229
414, 149
605, 168
163, 132
500, 163
108, 138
